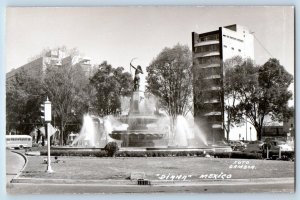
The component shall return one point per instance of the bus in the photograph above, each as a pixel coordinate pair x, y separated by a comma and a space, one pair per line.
18, 141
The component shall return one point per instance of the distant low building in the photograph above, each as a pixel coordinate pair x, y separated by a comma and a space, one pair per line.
57, 57
38, 66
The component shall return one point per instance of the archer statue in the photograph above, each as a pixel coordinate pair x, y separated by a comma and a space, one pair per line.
136, 80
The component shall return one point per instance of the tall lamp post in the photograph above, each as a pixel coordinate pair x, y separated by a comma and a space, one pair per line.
47, 118
250, 134
246, 131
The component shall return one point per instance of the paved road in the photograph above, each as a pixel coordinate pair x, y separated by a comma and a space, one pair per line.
79, 189
30, 188
14, 163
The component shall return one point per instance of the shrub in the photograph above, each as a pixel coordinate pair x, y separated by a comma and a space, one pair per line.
238, 155
111, 148
101, 154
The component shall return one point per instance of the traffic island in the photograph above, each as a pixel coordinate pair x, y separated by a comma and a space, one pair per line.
156, 170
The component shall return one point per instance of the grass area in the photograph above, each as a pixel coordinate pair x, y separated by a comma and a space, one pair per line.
120, 168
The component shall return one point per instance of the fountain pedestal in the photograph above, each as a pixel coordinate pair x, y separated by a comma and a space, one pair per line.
137, 133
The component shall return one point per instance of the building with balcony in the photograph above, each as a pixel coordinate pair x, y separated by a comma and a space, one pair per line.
210, 50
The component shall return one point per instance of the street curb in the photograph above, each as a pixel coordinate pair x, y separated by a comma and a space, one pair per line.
25, 164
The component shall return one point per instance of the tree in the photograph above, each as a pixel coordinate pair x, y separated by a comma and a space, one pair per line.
65, 86
23, 99
230, 95
260, 91
170, 80
110, 85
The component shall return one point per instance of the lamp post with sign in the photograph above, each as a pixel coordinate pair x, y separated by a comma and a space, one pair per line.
47, 117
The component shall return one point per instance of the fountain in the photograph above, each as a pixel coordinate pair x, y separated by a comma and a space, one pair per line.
140, 115
143, 128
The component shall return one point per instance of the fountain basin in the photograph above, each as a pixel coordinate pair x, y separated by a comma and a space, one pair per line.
138, 119
137, 138
140, 134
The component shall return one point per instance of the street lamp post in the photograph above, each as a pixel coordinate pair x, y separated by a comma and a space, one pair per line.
246, 130
47, 117
250, 134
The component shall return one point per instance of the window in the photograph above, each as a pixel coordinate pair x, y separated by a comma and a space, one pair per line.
214, 47
209, 37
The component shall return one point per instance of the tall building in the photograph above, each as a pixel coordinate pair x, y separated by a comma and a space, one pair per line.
210, 50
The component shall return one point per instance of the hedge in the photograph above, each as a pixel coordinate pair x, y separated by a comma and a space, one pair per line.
158, 153
153, 153
103, 153
241, 155
75, 153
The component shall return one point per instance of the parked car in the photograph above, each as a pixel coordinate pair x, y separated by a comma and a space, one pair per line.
237, 145
254, 146
275, 145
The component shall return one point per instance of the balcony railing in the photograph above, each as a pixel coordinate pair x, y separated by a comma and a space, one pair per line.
213, 77
212, 101
206, 54
214, 88
208, 42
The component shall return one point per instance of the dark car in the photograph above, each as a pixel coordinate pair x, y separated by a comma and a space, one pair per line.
237, 145
254, 146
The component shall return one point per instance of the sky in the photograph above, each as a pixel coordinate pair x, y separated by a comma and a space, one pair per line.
118, 34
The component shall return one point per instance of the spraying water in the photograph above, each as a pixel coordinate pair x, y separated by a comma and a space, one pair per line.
87, 133
186, 135
200, 135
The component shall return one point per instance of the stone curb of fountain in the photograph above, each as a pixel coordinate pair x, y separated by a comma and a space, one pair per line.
286, 180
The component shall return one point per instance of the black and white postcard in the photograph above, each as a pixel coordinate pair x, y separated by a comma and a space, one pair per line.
150, 99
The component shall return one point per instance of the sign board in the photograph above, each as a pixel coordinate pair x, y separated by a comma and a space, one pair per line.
137, 175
